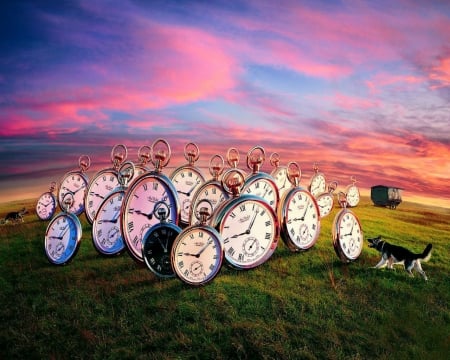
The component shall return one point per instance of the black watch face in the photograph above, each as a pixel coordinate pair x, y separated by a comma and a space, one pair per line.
157, 247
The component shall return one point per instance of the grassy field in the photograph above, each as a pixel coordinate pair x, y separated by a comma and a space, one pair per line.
295, 306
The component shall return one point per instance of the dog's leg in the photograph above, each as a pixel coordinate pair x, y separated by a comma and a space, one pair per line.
382, 263
418, 267
390, 262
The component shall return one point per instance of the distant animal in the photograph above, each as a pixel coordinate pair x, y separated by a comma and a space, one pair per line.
394, 254
15, 216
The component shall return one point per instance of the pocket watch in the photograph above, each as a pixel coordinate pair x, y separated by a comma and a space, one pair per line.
298, 214
247, 223
325, 201
233, 158
347, 232
187, 179
352, 192
136, 215
211, 190
158, 241
63, 234
75, 183
318, 183
104, 182
47, 203
279, 174
197, 253
106, 233
260, 183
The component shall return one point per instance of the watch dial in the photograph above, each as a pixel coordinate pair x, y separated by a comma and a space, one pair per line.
74, 183
325, 203
249, 230
157, 249
101, 185
137, 213
352, 196
318, 184
62, 238
106, 233
264, 188
46, 206
211, 191
301, 220
186, 180
349, 237
197, 255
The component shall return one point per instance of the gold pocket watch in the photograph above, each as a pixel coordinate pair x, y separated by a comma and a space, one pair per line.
318, 182
75, 183
187, 179
136, 215
211, 190
247, 223
63, 234
104, 182
47, 203
197, 252
347, 232
325, 201
279, 173
106, 233
298, 214
352, 192
260, 183
158, 241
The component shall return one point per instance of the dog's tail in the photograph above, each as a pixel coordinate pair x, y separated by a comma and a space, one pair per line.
425, 256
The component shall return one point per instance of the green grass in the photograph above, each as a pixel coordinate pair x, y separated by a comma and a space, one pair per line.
295, 306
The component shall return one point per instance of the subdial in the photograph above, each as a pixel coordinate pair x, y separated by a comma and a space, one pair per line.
250, 246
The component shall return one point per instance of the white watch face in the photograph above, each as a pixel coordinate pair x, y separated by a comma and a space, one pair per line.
249, 232
101, 185
325, 203
197, 255
350, 236
186, 181
280, 177
137, 215
302, 219
318, 184
62, 238
46, 206
213, 192
106, 233
352, 196
76, 184
264, 188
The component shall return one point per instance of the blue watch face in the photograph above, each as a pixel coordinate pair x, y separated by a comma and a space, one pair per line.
62, 238
106, 233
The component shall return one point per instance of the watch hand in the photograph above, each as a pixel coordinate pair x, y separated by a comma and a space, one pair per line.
252, 222
188, 193
149, 216
162, 245
81, 187
114, 219
98, 195
203, 248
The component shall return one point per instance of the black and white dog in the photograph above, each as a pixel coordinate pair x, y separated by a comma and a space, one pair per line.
15, 216
393, 254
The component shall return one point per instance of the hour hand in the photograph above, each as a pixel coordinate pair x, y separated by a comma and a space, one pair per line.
149, 216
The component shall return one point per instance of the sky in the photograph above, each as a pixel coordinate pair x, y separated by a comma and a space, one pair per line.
361, 88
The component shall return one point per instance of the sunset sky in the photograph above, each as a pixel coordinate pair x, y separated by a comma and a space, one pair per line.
360, 87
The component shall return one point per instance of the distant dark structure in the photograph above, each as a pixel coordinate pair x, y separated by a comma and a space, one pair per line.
387, 196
